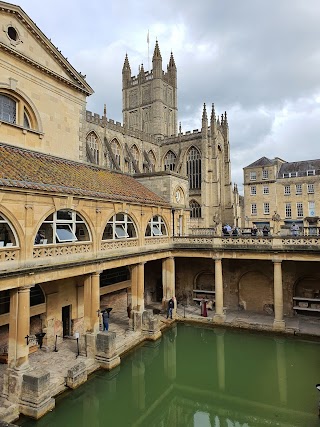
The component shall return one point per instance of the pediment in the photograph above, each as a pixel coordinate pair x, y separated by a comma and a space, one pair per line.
22, 38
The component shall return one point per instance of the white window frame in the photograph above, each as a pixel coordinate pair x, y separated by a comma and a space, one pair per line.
287, 190
253, 176
299, 210
310, 188
298, 189
157, 227
121, 224
254, 210
59, 227
253, 190
266, 189
266, 208
265, 174
288, 210
293, 174
311, 208
311, 172
286, 175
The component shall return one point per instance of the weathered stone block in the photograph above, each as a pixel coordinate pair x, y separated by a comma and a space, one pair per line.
136, 320
150, 325
106, 350
77, 375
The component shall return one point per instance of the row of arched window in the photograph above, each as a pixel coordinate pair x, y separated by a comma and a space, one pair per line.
68, 226
133, 164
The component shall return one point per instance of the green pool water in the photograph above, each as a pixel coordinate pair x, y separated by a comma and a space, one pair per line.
200, 377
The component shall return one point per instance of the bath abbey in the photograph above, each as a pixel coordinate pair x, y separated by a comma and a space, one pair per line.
100, 215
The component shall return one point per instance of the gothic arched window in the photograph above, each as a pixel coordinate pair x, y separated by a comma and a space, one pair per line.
195, 209
136, 155
194, 168
93, 148
153, 160
170, 161
120, 226
115, 147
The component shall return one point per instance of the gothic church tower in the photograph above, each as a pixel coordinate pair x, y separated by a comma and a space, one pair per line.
149, 99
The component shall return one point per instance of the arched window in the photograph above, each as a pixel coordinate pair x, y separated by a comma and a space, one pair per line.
61, 227
136, 155
195, 209
23, 116
120, 226
156, 227
7, 109
194, 168
170, 161
93, 148
115, 147
8, 236
36, 296
153, 160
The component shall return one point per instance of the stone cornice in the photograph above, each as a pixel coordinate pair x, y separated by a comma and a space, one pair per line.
81, 84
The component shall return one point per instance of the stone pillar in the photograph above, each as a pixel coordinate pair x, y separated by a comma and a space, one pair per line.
168, 280
107, 355
134, 287
140, 287
150, 325
219, 316
95, 302
19, 328
87, 303
278, 322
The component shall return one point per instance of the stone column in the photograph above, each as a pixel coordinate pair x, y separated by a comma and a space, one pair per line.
134, 286
19, 327
168, 279
140, 287
219, 316
95, 301
278, 322
87, 303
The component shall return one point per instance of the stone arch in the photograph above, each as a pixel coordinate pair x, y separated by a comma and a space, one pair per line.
116, 150
110, 231
15, 229
195, 209
307, 287
256, 292
160, 224
204, 280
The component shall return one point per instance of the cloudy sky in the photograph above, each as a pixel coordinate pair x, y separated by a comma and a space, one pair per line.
257, 59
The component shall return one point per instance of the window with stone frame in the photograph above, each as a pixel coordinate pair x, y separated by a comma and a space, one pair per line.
266, 208
254, 210
8, 236
170, 161
265, 189
156, 227
253, 190
63, 226
288, 211
115, 147
299, 210
194, 168
23, 116
287, 190
298, 189
120, 226
310, 188
253, 176
93, 147
195, 209
265, 174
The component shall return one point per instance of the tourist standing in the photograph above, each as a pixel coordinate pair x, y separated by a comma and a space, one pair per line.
105, 320
295, 229
170, 308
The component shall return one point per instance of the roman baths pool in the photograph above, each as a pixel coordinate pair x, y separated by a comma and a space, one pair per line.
200, 377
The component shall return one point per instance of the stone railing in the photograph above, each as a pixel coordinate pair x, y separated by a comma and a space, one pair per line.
118, 244
272, 242
156, 240
9, 254
44, 251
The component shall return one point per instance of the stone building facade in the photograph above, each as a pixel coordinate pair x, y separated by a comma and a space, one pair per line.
77, 234
279, 193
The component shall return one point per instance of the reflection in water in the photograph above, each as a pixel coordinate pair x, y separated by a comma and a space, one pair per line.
197, 377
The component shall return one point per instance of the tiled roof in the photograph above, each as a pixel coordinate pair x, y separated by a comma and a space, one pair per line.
301, 167
264, 161
21, 168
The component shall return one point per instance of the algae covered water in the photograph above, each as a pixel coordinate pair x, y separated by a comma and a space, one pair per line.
198, 377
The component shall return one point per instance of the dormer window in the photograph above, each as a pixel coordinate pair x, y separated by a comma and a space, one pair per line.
311, 172
286, 175
265, 174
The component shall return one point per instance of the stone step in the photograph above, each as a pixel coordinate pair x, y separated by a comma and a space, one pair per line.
8, 411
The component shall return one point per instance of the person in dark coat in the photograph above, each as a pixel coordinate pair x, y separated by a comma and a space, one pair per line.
170, 308
105, 320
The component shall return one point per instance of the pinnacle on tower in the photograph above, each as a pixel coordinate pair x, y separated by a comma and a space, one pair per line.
156, 53
172, 64
222, 121
213, 113
126, 65
105, 110
225, 118
204, 112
